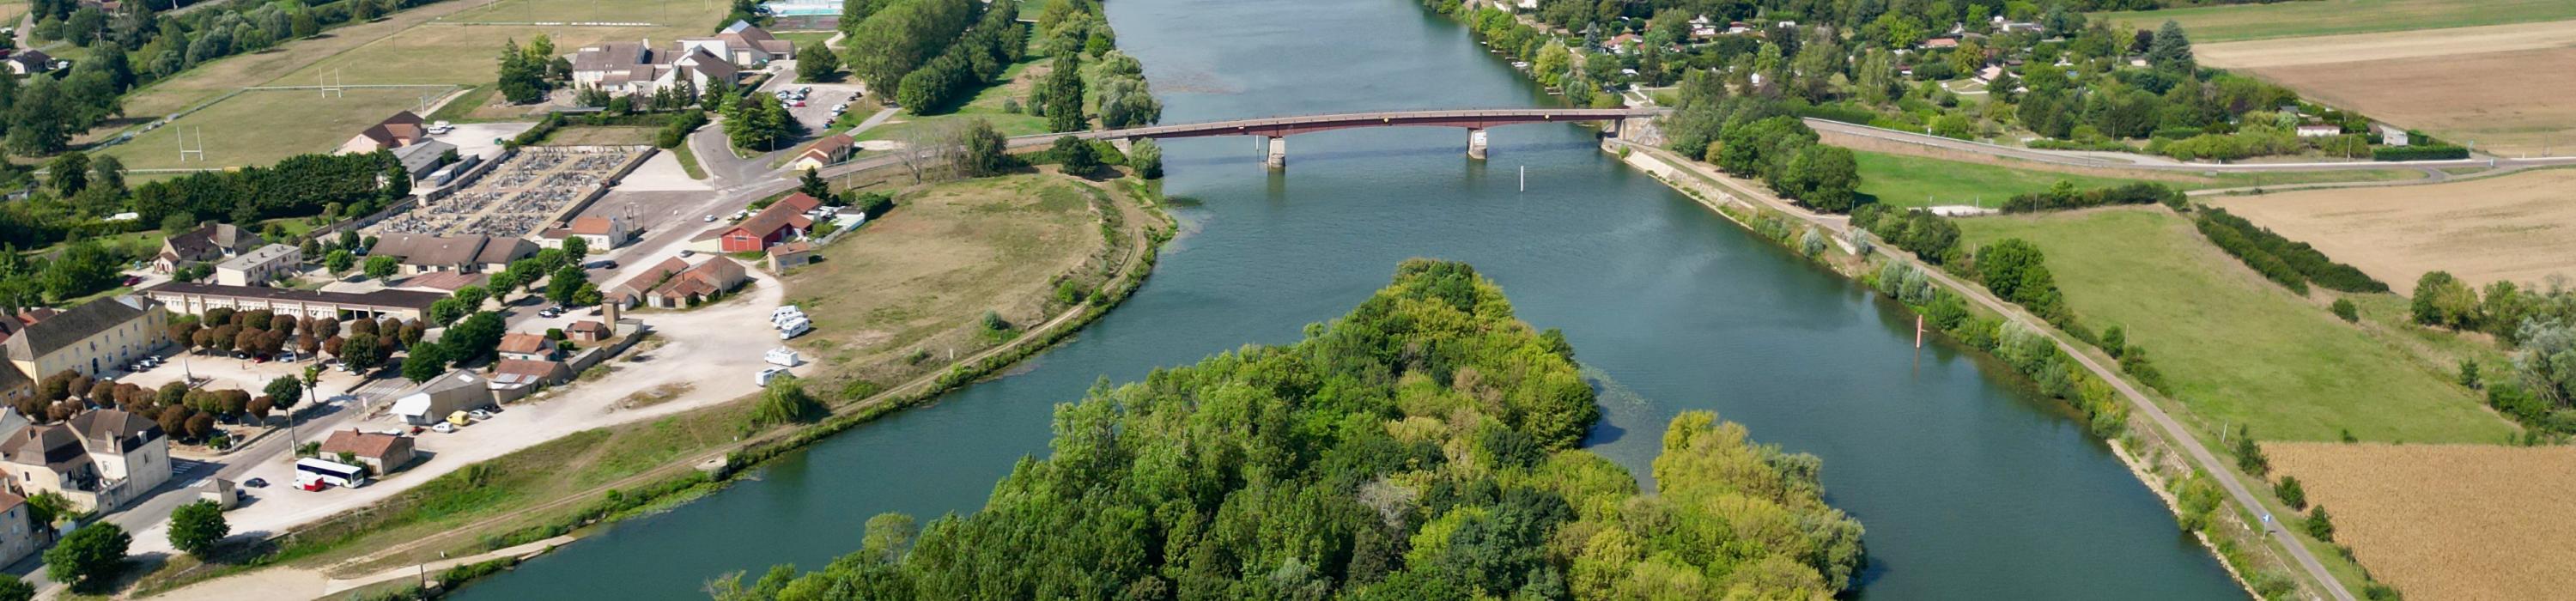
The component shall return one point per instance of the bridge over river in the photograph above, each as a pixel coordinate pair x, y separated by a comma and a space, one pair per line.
1277, 129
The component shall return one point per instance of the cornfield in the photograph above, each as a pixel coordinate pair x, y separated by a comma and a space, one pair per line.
2445, 522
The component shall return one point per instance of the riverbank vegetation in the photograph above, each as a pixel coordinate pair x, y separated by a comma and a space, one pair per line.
1423, 447
1056, 75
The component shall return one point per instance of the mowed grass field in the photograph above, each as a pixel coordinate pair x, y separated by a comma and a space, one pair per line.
2234, 348
2491, 86
261, 127
2443, 522
921, 278
1916, 181
2519, 227
987, 105
2328, 17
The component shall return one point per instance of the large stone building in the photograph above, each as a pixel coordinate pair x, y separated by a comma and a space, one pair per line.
424, 253
98, 459
641, 68
90, 339
402, 129
675, 284
194, 299
20, 535
208, 243
260, 266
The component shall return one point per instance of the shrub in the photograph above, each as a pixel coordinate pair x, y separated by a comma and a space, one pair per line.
2249, 456
2319, 524
2290, 492
2064, 196
2344, 308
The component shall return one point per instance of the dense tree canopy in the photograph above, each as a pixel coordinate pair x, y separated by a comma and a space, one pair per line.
1421, 447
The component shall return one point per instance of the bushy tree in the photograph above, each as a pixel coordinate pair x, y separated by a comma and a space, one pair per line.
1076, 154
785, 402
383, 266
815, 62
2171, 51
195, 528
89, 558
1146, 158
2291, 493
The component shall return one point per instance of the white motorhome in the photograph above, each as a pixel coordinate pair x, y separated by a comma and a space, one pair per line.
795, 328
784, 357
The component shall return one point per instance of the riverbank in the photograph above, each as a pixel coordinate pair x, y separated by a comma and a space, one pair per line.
2222, 533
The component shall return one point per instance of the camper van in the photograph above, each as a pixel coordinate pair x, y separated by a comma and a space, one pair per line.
780, 316
795, 328
769, 374
784, 357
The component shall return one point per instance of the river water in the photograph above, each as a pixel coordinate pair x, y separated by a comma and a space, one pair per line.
1970, 487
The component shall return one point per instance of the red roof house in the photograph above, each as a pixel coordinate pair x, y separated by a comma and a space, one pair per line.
779, 222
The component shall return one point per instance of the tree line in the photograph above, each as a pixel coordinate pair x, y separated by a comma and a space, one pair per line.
2290, 263
2538, 326
894, 37
1422, 447
991, 46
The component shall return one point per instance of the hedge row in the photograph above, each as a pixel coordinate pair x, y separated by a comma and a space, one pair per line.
2418, 153
2065, 197
2299, 256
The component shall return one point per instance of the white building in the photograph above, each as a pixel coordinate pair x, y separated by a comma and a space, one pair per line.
259, 266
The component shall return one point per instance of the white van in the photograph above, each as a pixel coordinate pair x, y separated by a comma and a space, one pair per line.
792, 329
769, 374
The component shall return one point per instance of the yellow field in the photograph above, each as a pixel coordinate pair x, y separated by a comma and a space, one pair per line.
2470, 84
2445, 522
2519, 227
2329, 17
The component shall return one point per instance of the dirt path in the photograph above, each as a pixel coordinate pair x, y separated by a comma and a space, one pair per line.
2171, 428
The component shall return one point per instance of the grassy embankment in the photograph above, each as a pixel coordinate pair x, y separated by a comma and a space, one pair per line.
556, 486
2301, 19
987, 105
1915, 181
2238, 350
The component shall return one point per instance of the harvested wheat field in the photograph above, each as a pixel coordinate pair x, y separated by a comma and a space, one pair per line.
2519, 227
2448, 522
2469, 84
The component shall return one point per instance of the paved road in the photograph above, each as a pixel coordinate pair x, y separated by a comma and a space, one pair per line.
2155, 163
2173, 429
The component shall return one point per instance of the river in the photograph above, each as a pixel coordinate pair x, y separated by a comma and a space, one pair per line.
1970, 486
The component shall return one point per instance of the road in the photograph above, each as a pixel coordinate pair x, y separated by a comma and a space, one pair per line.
2172, 429
2157, 163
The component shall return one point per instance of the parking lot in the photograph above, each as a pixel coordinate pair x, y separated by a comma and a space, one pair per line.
816, 115
528, 191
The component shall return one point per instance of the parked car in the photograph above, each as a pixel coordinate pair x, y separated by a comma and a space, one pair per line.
480, 414
797, 103
710, 219
685, 253
133, 279
443, 428
256, 483
549, 312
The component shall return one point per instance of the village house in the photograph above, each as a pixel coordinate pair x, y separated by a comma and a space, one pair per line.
209, 242
638, 68
402, 129
674, 284
20, 535
745, 44
513, 378
98, 459
589, 331
424, 253
527, 347
2392, 135
92, 339
601, 233
259, 266
791, 254
381, 453
442, 282
823, 153
29, 62
779, 222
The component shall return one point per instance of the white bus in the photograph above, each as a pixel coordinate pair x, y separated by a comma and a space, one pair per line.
313, 474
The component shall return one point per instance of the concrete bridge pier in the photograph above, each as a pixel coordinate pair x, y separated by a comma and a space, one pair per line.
1610, 128
1278, 158
1476, 143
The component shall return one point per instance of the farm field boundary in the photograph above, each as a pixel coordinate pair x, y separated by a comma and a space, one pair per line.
2447, 521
